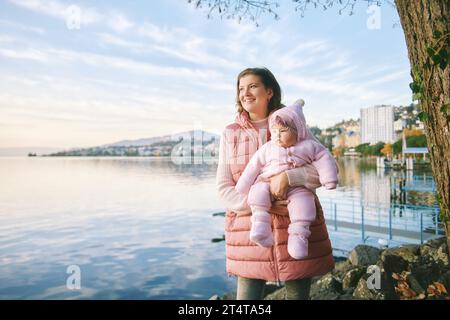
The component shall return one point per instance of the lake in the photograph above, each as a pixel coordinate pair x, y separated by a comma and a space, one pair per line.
143, 228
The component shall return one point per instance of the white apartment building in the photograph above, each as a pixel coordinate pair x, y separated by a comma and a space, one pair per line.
377, 124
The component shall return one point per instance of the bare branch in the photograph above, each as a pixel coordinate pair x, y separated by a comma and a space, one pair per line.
344, 5
238, 9
252, 9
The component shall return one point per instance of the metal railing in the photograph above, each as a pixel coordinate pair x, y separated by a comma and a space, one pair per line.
411, 222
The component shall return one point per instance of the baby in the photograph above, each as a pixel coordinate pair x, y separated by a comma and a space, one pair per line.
291, 145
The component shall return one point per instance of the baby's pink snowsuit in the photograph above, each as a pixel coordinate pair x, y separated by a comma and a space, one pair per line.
272, 159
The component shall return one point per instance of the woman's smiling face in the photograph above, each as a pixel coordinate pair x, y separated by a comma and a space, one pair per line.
254, 96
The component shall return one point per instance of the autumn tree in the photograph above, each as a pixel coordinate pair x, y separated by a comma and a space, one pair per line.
412, 132
387, 150
338, 152
426, 25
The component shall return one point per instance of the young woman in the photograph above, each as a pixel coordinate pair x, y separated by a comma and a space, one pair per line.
259, 94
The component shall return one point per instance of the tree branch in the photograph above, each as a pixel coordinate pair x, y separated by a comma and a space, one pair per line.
240, 9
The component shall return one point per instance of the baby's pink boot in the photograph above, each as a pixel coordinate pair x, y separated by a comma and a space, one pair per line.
298, 240
261, 230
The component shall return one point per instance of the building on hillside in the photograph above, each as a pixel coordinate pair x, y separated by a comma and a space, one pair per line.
349, 136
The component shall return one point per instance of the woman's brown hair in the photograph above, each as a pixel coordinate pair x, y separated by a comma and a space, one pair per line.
269, 81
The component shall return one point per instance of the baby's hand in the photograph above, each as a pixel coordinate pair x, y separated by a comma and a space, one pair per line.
330, 185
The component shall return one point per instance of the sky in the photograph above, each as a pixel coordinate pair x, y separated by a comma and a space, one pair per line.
84, 73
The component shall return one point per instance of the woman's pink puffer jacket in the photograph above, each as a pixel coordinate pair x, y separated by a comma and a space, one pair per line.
246, 259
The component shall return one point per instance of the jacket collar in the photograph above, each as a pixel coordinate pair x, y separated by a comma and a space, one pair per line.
243, 120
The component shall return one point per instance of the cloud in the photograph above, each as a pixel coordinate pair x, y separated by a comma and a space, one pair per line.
110, 39
115, 20
19, 26
6, 38
59, 10
119, 22
99, 60
109, 110
192, 52
27, 54
193, 49
132, 65
389, 77
95, 100
156, 33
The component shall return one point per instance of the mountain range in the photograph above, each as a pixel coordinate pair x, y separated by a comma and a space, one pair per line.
154, 142
197, 134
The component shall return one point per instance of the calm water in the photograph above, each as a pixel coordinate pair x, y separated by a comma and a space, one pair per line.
142, 228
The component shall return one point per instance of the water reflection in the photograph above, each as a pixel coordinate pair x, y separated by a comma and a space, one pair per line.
376, 203
378, 185
142, 228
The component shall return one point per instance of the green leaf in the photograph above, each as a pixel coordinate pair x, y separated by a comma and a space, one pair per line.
430, 51
445, 57
437, 34
415, 87
436, 59
445, 108
417, 75
417, 96
412, 86
443, 53
423, 116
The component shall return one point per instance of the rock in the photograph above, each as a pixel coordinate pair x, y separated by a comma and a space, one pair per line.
363, 255
364, 293
315, 279
436, 243
329, 282
347, 294
414, 248
329, 287
414, 284
399, 259
279, 294
426, 273
425, 264
442, 256
406, 252
229, 296
352, 277
435, 255
331, 295
393, 263
426, 250
343, 266
388, 286
445, 280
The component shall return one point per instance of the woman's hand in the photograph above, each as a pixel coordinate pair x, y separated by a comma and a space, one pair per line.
278, 187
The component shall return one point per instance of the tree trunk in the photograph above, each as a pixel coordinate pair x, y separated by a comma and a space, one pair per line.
421, 19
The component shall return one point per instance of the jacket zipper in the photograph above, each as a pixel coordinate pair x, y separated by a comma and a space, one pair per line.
274, 255
275, 260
